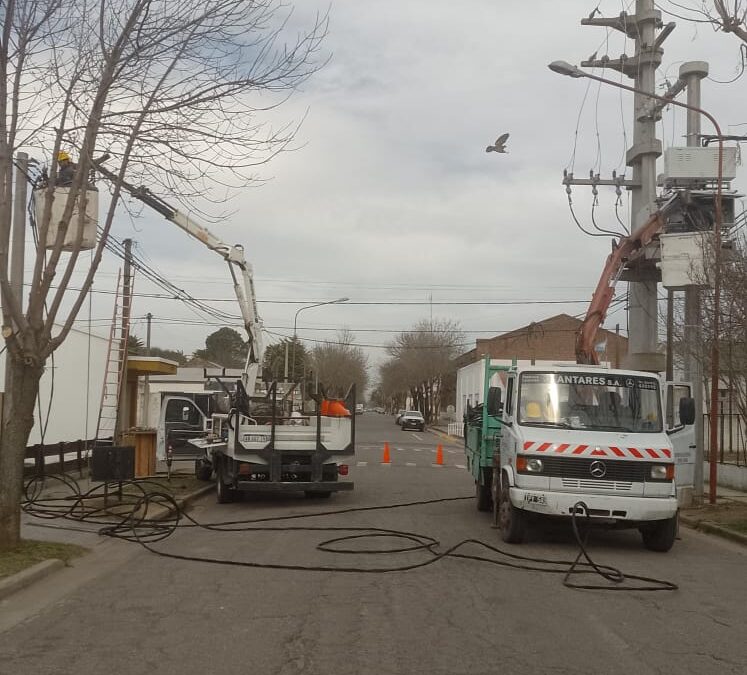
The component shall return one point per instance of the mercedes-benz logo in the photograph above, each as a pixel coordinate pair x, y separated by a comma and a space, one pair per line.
597, 469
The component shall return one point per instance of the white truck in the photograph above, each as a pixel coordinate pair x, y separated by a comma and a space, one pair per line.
248, 441
591, 435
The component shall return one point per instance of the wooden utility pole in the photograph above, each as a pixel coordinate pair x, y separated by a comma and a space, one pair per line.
123, 407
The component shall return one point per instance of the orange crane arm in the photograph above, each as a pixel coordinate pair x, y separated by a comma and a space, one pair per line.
605, 290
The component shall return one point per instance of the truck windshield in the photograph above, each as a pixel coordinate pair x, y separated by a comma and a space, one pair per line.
588, 401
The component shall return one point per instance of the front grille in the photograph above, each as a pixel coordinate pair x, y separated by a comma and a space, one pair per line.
596, 484
617, 470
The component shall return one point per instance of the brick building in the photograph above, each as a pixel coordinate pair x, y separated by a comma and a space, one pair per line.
552, 339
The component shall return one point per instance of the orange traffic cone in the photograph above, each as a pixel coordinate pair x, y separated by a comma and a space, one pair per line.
386, 459
440, 455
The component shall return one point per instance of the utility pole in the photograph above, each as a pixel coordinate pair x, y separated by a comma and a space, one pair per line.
692, 73
123, 407
146, 386
641, 27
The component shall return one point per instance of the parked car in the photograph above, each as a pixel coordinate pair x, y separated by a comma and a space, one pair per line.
358, 408
398, 416
412, 419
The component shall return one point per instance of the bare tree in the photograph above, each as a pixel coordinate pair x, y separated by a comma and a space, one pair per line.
728, 17
341, 363
173, 91
422, 358
732, 310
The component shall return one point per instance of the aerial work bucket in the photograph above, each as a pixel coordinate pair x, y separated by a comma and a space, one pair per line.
88, 202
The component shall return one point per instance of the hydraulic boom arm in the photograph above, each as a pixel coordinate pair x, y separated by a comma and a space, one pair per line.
233, 255
605, 290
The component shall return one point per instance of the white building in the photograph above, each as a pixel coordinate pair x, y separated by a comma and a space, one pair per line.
70, 389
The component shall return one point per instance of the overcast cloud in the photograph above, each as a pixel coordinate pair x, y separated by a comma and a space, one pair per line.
390, 195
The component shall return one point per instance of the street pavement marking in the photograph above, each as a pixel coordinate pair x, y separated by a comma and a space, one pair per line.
452, 452
362, 463
460, 466
410, 464
437, 466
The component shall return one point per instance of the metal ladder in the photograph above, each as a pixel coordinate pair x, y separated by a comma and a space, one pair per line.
115, 371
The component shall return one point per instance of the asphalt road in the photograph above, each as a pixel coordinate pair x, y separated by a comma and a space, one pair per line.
127, 611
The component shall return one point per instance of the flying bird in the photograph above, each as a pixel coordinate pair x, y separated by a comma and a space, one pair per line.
500, 144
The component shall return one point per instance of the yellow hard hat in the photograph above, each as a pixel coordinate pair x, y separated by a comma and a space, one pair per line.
534, 410
62, 156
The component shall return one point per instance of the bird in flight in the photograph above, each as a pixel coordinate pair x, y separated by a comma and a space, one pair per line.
500, 144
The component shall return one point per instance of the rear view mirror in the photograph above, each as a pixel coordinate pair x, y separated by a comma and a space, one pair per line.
495, 402
687, 410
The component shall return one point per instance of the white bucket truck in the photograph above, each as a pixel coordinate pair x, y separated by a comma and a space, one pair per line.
588, 435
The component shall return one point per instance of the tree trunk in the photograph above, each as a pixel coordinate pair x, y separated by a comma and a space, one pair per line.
17, 422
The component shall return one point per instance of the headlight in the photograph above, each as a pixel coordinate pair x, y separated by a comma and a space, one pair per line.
662, 471
534, 465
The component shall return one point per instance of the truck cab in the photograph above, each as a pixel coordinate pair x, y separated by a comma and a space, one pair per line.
590, 441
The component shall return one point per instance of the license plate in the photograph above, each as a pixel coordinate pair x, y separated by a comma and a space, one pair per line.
531, 498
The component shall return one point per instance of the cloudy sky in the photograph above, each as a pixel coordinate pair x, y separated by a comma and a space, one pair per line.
391, 197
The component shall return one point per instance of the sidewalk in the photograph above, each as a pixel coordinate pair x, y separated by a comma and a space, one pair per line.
185, 489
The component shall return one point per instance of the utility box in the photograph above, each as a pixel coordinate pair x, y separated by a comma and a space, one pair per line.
144, 442
113, 463
88, 201
683, 259
698, 164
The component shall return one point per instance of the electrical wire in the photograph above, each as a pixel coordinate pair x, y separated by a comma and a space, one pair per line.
134, 527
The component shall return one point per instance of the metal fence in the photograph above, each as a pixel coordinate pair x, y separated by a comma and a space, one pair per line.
731, 438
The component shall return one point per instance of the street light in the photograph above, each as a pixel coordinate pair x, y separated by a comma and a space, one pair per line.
565, 68
295, 322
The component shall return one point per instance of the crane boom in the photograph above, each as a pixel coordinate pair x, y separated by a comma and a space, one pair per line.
233, 255
613, 268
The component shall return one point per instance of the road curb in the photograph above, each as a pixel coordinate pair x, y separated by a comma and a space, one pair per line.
26, 577
712, 528
444, 434
163, 512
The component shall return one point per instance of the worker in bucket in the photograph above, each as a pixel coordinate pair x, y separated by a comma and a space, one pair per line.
65, 169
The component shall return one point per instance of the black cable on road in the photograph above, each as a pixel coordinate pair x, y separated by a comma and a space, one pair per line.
133, 526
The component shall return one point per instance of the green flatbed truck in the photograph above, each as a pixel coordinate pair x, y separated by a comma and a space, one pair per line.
482, 433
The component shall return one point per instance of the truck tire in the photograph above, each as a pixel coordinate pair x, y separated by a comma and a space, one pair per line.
203, 470
660, 535
510, 519
483, 497
224, 492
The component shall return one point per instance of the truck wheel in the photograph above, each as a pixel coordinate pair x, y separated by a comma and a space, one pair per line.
203, 469
510, 519
482, 490
225, 493
317, 494
660, 535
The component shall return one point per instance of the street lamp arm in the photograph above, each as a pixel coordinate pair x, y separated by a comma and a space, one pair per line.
295, 324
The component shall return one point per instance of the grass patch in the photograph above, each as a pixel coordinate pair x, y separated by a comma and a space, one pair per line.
30, 552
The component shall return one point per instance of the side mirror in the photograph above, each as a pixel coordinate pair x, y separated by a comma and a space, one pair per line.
687, 410
185, 414
495, 402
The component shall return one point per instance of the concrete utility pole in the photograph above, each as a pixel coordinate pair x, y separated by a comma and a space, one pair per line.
642, 28
642, 319
692, 73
